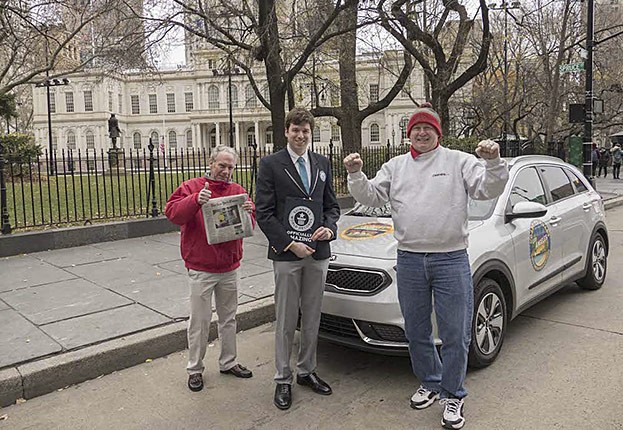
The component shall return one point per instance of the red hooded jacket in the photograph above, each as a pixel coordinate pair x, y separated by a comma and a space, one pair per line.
182, 209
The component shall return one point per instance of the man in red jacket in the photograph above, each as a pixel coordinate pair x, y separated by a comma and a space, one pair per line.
211, 268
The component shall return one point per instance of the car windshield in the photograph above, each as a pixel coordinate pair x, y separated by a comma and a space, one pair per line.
476, 209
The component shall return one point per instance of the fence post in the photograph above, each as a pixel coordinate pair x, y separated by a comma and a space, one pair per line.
387, 155
253, 169
152, 182
4, 211
331, 153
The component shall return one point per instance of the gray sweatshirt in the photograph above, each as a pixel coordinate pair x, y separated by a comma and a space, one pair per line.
428, 195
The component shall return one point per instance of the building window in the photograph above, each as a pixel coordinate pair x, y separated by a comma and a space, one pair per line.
188, 102
213, 97
375, 135
171, 102
250, 99
110, 102
172, 139
189, 138
234, 96
154, 138
213, 138
54, 142
269, 135
136, 140
316, 134
335, 133
250, 136
134, 102
69, 101
88, 101
335, 96
120, 103
71, 140
90, 139
374, 93
403, 127
153, 103
52, 102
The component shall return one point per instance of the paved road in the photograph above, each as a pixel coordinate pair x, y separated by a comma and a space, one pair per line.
561, 368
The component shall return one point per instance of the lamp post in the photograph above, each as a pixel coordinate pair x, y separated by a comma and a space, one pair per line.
587, 163
505, 6
47, 83
229, 71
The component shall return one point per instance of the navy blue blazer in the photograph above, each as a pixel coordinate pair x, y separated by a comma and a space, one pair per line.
278, 178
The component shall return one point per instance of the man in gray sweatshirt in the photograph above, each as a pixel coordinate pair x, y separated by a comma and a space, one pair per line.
428, 190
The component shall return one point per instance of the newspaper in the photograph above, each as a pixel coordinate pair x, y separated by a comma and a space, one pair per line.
225, 219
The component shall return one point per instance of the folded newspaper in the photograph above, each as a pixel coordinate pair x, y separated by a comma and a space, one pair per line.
226, 220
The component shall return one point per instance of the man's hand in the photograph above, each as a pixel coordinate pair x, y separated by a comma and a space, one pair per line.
322, 233
248, 206
488, 150
204, 194
353, 163
301, 250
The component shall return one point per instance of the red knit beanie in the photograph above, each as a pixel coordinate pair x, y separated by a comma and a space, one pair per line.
425, 114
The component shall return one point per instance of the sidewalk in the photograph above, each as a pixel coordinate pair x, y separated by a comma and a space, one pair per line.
73, 314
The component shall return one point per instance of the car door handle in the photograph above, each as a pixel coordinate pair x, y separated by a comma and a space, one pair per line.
554, 220
587, 207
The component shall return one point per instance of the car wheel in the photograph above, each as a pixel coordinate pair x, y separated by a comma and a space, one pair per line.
597, 264
488, 323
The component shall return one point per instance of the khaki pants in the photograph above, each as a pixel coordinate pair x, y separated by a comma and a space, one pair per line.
225, 288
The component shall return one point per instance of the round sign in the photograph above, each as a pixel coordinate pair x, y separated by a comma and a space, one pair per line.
301, 218
540, 244
367, 230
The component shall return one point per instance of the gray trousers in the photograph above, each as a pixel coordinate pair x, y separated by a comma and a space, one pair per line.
225, 289
298, 285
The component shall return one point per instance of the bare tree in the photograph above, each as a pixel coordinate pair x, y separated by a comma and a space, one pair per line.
442, 28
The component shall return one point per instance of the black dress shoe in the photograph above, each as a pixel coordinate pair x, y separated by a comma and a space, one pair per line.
195, 382
238, 371
283, 396
312, 380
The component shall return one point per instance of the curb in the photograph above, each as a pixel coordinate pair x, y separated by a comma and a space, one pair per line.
46, 375
614, 202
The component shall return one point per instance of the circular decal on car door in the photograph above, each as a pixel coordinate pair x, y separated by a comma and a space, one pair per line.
540, 244
366, 231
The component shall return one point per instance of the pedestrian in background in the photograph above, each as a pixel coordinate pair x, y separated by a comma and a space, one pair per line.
212, 269
293, 178
604, 160
594, 159
617, 157
428, 189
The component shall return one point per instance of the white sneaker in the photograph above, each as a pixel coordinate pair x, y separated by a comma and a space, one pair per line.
452, 413
423, 398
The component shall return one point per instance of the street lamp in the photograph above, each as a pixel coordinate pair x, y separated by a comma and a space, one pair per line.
505, 6
47, 83
229, 71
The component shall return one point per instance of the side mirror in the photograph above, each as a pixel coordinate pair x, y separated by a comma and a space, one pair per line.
526, 210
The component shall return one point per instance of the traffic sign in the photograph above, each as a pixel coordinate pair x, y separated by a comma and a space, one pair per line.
571, 67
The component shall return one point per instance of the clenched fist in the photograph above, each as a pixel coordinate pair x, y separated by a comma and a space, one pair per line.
353, 163
488, 149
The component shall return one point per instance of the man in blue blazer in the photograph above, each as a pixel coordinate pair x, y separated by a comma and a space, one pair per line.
297, 210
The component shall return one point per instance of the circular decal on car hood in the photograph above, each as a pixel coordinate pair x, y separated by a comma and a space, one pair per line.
540, 244
366, 230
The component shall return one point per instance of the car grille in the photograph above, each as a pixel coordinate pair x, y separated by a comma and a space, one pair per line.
338, 326
347, 280
382, 331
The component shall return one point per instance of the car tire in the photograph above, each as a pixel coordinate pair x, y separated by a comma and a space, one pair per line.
597, 264
488, 323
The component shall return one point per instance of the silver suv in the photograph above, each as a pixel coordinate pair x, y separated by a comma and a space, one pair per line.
546, 230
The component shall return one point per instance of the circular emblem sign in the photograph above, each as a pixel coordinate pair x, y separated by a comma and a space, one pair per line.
323, 176
301, 218
366, 231
540, 244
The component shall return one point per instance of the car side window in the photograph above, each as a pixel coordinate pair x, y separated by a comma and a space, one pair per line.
577, 182
559, 185
527, 188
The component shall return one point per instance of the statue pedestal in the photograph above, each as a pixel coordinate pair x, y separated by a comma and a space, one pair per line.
116, 160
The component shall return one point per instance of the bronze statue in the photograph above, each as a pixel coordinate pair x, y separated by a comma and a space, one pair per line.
113, 130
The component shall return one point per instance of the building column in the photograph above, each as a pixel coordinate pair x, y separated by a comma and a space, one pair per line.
257, 133
237, 140
218, 133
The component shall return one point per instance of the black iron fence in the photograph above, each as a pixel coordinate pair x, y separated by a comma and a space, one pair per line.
83, 187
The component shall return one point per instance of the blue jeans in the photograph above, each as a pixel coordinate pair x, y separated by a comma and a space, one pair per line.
446, 276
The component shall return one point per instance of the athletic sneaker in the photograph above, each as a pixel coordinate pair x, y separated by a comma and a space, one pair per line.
452, 413
423, 398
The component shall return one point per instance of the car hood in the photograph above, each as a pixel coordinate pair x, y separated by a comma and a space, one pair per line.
369, 237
